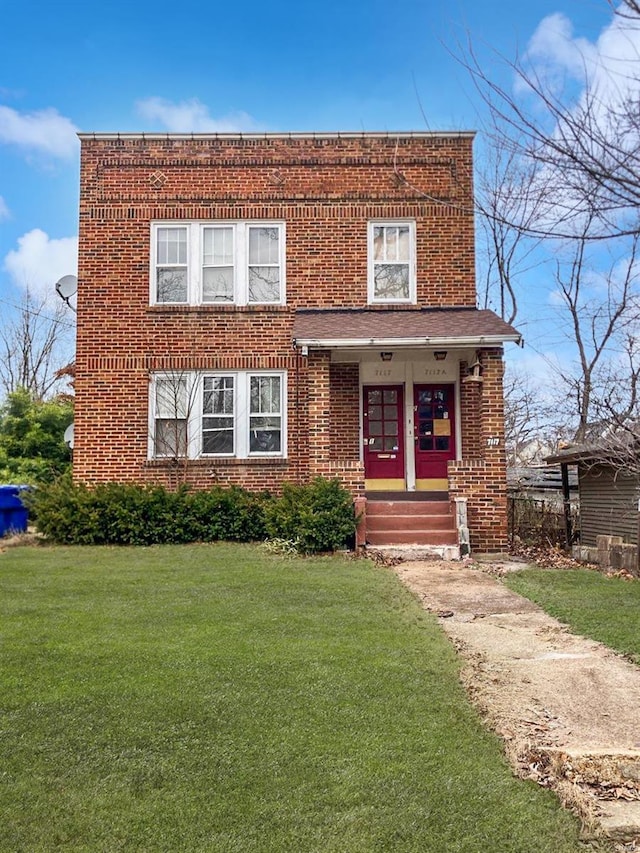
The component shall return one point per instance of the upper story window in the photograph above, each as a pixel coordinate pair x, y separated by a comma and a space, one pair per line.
392, 262
202, 263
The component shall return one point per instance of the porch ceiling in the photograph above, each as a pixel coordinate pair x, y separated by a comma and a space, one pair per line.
413, 327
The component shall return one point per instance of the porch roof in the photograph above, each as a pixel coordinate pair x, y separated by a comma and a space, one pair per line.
412, 327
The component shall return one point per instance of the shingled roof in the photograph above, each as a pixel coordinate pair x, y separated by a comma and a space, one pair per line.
350, 327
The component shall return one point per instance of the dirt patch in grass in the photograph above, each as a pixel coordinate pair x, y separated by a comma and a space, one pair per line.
554, 697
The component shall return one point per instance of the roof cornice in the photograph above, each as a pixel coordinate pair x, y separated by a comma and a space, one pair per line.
401, 134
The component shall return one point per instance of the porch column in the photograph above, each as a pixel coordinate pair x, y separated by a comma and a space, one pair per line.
319, 411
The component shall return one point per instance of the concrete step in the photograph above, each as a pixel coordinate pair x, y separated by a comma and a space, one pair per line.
412, 537
408, 508
410, 522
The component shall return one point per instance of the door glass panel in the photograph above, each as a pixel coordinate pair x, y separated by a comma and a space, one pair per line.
375, 444
375, 428
425, 443
375, 413
391, 428
374, 397
424, 412
390, 413
424, 397
442, 443
390, 396
426, 427
390, 444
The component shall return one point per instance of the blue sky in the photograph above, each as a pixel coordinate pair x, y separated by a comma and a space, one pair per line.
122, 66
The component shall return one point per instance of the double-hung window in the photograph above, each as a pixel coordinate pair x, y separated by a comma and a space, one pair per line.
392, 265
209, 414
170, 415
217, 263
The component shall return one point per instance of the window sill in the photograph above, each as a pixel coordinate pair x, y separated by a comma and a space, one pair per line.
220, 461
216, 309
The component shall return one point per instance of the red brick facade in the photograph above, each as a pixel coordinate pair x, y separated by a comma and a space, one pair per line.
326, 189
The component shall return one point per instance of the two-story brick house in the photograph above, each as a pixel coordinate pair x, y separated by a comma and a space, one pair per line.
261, 308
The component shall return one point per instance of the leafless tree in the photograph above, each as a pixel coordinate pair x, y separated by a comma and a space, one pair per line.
36, 341
576, 145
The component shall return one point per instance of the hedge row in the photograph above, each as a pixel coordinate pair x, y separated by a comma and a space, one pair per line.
316, 517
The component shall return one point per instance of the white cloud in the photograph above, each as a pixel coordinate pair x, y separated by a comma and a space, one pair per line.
5, 213
39, 261
192, 116
45, 131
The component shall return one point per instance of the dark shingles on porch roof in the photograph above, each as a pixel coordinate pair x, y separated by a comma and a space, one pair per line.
433, 323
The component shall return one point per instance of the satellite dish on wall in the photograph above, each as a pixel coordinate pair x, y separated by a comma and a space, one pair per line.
68, 436
67, 286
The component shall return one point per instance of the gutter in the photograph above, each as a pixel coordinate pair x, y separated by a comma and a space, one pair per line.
363, 343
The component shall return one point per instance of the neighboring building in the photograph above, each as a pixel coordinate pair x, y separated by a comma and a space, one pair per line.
609, 491
254, 309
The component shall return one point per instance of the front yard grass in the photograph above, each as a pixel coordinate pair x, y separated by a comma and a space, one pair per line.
603, 608
217, 698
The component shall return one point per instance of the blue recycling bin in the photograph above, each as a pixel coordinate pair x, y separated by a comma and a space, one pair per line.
13, 513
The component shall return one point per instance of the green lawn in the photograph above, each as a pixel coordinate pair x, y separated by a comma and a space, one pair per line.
216, 698
605, 609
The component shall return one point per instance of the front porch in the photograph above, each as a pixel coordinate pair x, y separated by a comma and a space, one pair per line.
412, 425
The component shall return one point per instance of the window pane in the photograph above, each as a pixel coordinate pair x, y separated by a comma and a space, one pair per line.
378, 243
390, 412
170, 437
172, 246
171, 284
265, 395
404, 244
217, 284
426, 443
217, 441
426, 428
375, 444
390, 396
217, 247
217, 395
390, 443
375, 412
391, 428
374, 397
375, 428
264, 435
391, 281
264, 284
442, 443
171, 397
264, 246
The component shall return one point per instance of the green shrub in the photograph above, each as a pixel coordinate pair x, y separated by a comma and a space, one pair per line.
318, 517
131, 514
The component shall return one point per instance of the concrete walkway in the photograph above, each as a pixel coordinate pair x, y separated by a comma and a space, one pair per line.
567, 708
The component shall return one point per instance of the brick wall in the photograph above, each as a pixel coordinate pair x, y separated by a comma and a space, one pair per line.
481, 475
344, 381
326, 190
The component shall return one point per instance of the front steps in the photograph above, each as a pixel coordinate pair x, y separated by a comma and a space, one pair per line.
409, 519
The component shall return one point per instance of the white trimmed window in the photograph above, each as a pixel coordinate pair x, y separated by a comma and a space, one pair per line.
169, 402
207, 414
392, 262
209, 263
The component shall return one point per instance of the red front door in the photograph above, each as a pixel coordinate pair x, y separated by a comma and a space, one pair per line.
383, 432
435, 434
